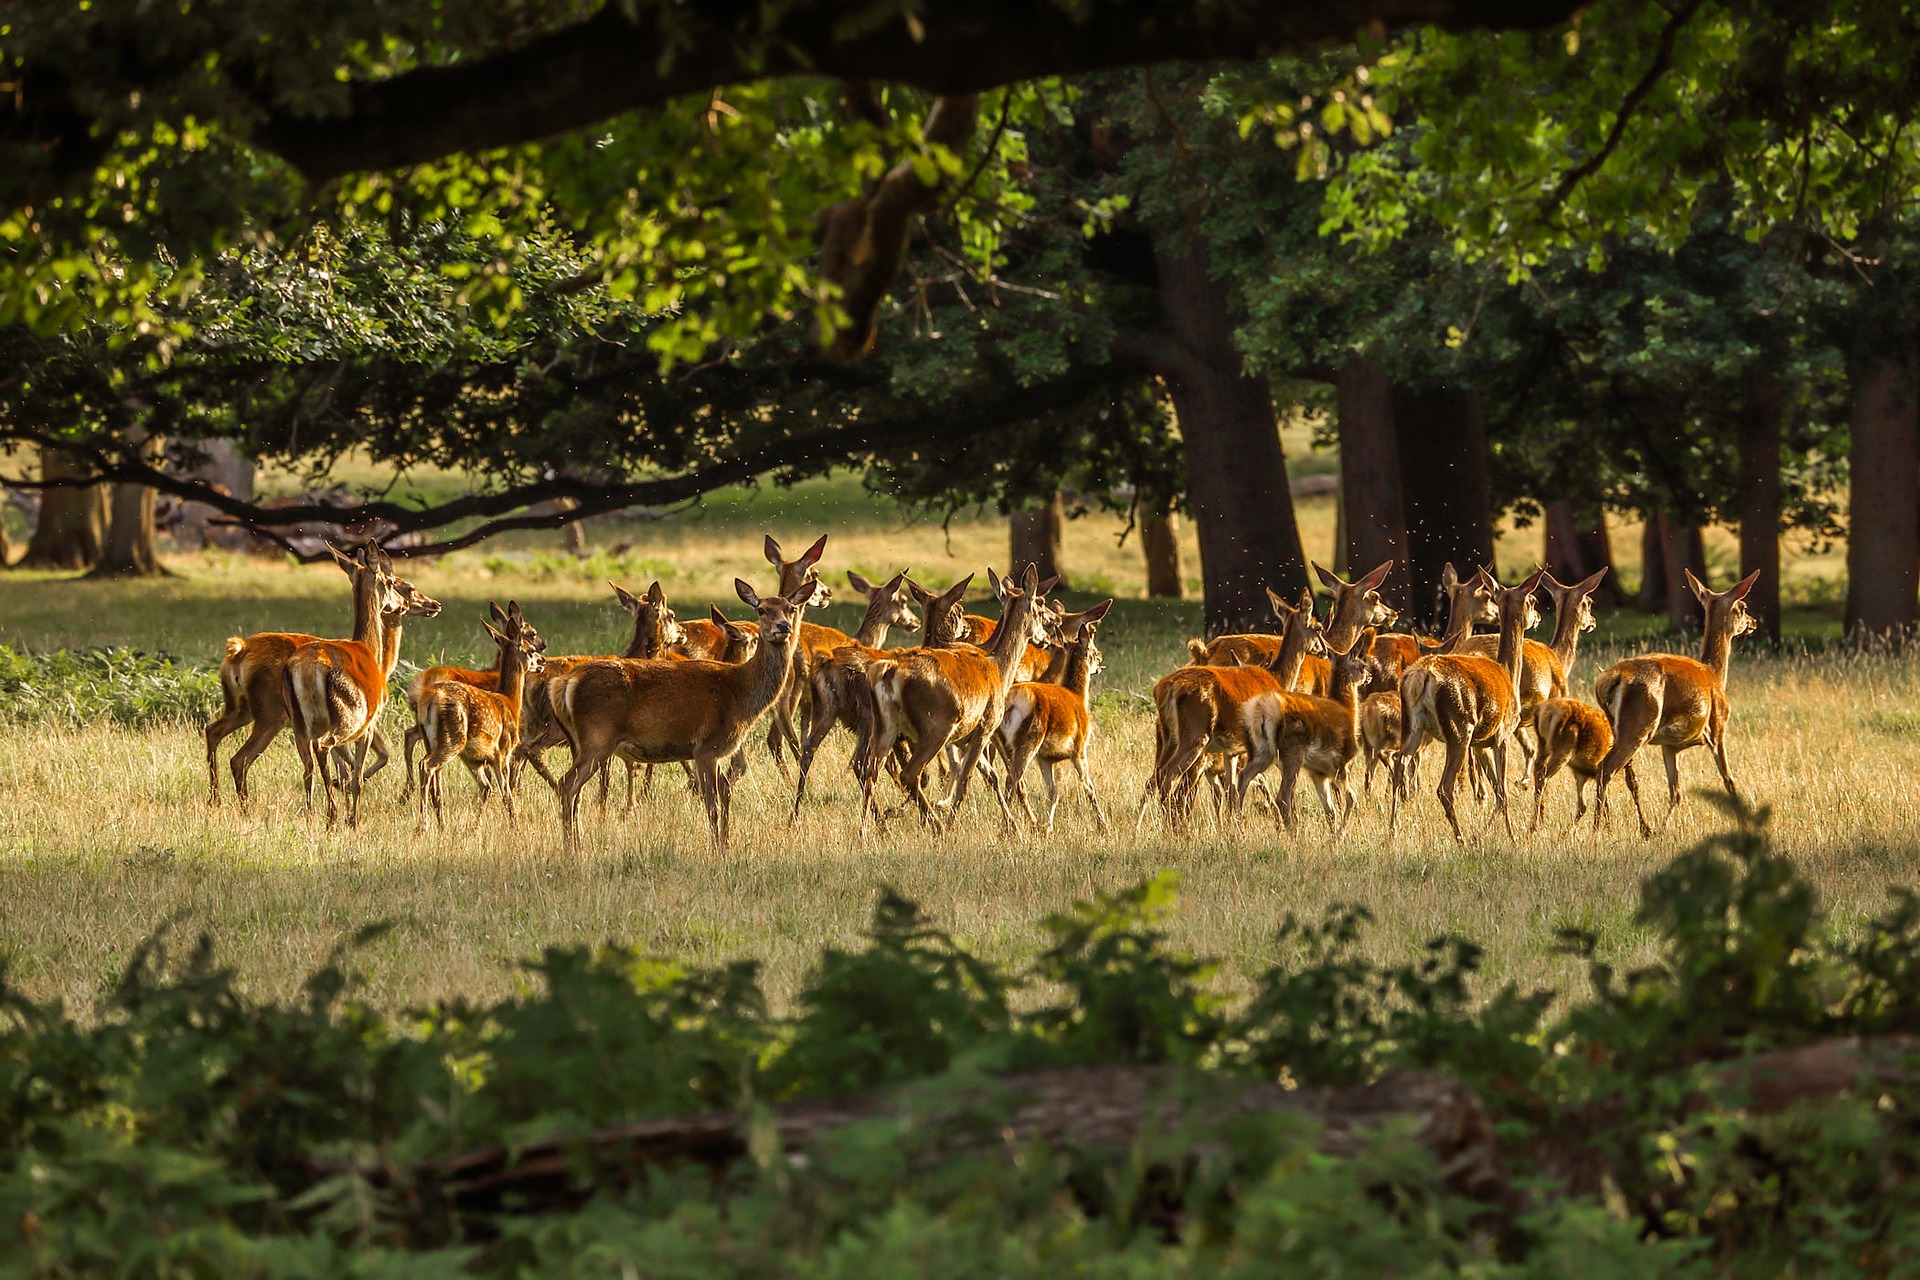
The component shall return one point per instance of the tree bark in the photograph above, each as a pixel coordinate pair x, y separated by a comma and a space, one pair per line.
1759, 503
1035, 535
1577, 545
1652, 596
1883, 540
1445, 489
1160, 541
231, 473
72, 527
1236, 475
1372, 516
130, 551
1682, 549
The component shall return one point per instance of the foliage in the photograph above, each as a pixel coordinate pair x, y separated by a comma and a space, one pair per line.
84, 686
186, 1128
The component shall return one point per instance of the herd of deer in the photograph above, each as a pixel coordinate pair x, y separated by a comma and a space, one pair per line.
993, 696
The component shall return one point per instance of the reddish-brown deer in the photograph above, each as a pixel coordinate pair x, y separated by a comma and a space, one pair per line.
1198, 710
1573, 735
657, 710
839, 694
936, 698
479, 727
1319, 736
1472, 704
1355, 605
335, 689
1470, 602
1674, 702
1049, 724
1545, 667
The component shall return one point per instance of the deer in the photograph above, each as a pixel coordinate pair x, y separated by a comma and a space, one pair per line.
978, 630
1355, 605
1470, 602
334, 689
479, 727
660, 710
1380, 735
1571, 734
1198, 708
1674, 702
1049, 724
1471, 703
1306, 732
934, 698
1544, 667
838, 693
250, 684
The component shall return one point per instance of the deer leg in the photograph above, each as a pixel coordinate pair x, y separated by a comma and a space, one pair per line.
1323, 788
818, 727
1633, 789
977, 749
1053, 791
413, 737
238, 714
585, 764
1019, 756
1450, 779
1086, 781
266, 728
1718, 745
1579, 802
1283, 810
1672, 758
1497, 776
376, 741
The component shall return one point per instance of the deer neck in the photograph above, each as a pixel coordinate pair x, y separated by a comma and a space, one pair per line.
1009, 643
1716, 650
513, 677
1343, 626
1566, 636
872, 631
764, 674
1293, 651
389, 642
645, 642
1459, 622
1511, 655
1346, 692
366, 610
1079, 673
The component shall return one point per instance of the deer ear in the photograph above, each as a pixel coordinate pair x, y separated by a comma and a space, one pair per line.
747, 593
498, 614
498, 638
1449, 576
959, 589
772, 551
1373, 580
513, 611
1745, 585
1328, 578
1700, 589
1278, 603
896, 582
813, 553
1093, 615
993, 580
1048, 585
625, 597
858, 581
1030, 580
1306, 600
1588, 586
657, 593
719, 618
1533, 584
341, 558
803, 593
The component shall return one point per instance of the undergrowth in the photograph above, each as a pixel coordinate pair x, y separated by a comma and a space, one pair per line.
186, 1129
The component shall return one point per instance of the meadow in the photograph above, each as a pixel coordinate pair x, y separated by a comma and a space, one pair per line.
105, 833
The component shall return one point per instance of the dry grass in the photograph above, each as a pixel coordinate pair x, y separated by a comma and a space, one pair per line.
104, 833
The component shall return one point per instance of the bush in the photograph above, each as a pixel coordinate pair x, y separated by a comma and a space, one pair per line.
188, 1129
83, 686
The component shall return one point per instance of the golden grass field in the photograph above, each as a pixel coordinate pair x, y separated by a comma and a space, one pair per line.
105, 833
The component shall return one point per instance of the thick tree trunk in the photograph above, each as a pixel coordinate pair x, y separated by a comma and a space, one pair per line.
1759, 504
72, 527
1035, 535
130, 550
1160, 541
1577, 545
1445, 489
231, 472
1883, 539
1372, 517
1682, 549
1236, 476
1652, 596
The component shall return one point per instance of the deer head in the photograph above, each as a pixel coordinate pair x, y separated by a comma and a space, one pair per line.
516, 633
1726, 611
1576, 600
794, 572
1355, 604
651, 614
778, 615
892, 598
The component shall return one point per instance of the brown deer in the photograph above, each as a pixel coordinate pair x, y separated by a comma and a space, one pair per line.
660, 710
1380, 735
1049, 723
335, 689
839, 694
1472, 704
1545, 667
1355, 605
934, 698
480, 727
1674, 702
1198, 709
251, 687
978, 630
1573, 735
1318, 735
1470, 602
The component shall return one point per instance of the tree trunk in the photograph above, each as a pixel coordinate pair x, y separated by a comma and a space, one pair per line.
1373, 519
1236, 476
1035, 536
1883, 539
130, 551
1652, 596
72, 527
1160, 541
1682, 549
1759, 504
231, 472
1445, 489
1577, 545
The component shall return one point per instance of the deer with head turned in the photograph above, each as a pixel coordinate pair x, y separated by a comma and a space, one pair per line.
977, 629
334, 689
252, 688
1319, 736
1049, 723
1469, 602
1472, 704
1674, 702
1545, 667
936, 698
1355, 605
659, 710
838, 693
479, 727
1572, 735
1198, 709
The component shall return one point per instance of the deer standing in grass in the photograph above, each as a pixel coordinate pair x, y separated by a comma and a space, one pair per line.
839, 694
1544, 667
1382, 718
1472, 704
252, 689
1049, 723
1318, 735
659, 710
1198, 710
1674, 702
1355, 605
479, 727
936, 698
335, 689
